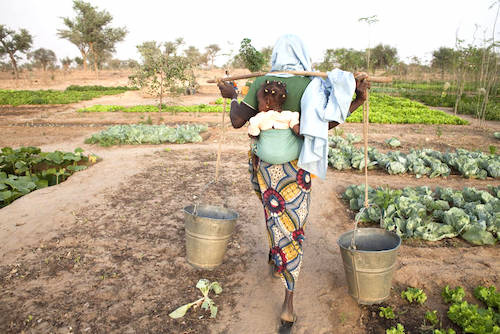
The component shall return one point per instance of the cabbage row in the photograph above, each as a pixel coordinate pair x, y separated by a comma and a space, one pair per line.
147, 134
431, 215
343, 155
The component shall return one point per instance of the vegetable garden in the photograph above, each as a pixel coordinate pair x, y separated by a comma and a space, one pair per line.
113, 238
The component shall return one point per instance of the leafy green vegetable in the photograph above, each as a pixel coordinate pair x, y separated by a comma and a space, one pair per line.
399, 329
343, 155
414, 295
393, 142
488, 295
70, 95
444, 331
432, 317
205, 302
147, 134
453, 295
386, 312
26, 169
203, 108
399, 110
420, 213
474, 319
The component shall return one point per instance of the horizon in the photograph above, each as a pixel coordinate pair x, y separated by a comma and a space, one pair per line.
444, 21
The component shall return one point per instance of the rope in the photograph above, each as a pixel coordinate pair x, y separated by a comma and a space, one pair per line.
221, 139
366, 107
366, 110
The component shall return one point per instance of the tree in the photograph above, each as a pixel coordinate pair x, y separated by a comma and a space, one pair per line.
211, 52
160, 69
66, 63
79, 62
43, 58
384, 56
90, 32
347, 59
267, 52
443, 59
12, 43
253, 59
193, 55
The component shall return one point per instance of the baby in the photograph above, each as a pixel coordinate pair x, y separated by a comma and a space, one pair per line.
270, 97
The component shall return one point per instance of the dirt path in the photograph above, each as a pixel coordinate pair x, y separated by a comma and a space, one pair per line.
104, 251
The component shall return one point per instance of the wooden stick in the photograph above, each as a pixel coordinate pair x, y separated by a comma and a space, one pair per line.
307, 74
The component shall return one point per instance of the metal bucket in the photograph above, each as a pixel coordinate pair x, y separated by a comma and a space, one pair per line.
370, 266
208, 229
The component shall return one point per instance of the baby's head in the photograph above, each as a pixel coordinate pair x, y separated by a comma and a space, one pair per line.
271, 96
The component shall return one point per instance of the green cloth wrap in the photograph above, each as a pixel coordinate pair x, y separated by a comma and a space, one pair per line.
278, 146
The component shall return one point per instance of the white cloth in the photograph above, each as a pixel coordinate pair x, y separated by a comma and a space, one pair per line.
271, 119
323, 101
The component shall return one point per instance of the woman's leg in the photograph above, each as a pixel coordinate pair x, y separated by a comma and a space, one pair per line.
287, 309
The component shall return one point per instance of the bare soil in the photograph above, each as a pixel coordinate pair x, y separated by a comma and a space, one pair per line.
104, 251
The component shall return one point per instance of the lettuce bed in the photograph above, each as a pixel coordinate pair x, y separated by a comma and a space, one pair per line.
398, 110
70, 95
205, 108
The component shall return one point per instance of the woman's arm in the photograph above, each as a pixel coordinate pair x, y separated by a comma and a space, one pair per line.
240, 112
362, 86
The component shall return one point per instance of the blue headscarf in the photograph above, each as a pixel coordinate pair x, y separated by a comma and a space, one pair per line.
290, 54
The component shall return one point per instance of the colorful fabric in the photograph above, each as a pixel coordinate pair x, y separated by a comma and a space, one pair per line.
284, 190
295, 87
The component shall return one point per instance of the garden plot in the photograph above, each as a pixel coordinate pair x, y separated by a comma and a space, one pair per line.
114, 258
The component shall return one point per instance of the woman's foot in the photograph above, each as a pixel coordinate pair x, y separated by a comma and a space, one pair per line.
287, 317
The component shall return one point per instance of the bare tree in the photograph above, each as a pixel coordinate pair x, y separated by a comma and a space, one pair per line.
212, 50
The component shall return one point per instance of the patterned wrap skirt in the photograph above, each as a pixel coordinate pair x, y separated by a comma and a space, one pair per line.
284, 190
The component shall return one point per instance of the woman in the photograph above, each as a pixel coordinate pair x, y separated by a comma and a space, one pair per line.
282, 186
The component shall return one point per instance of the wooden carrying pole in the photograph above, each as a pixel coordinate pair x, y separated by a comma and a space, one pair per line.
303, 73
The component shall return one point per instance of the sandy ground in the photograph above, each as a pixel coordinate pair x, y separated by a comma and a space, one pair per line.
104, 251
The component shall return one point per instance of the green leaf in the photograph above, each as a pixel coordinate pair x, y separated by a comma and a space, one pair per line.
41, 184
181, 311
477, 236
432, 317
76, 168
204, 286
213, 311
5, 195
453, 295
216, 287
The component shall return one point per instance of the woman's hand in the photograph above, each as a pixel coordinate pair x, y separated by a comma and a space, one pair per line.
227, 90
362, 86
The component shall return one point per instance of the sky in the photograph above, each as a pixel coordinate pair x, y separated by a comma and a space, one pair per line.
414, 28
